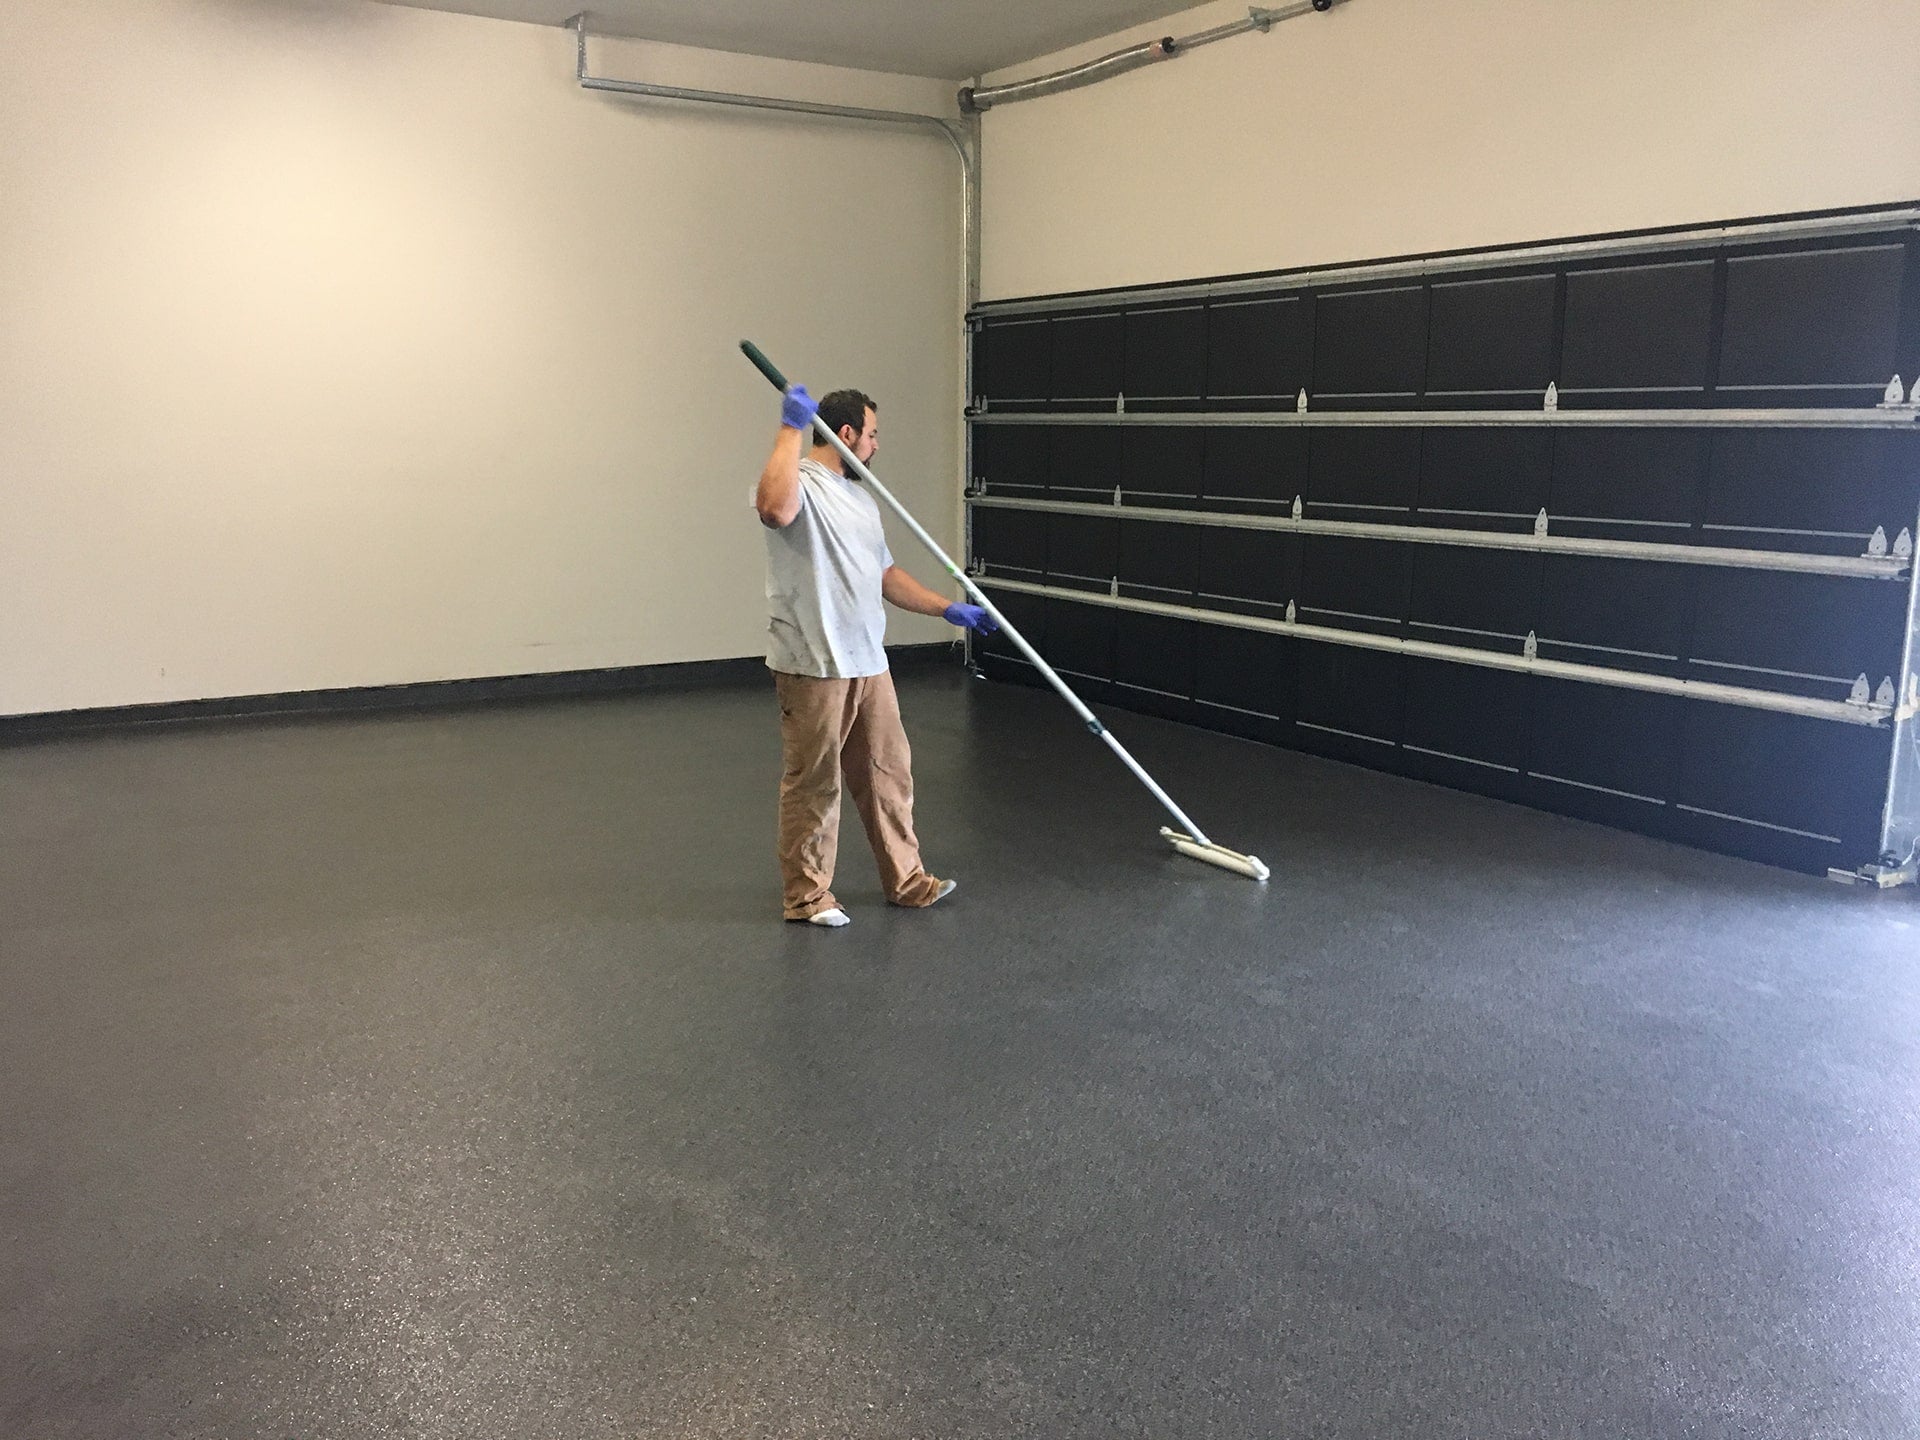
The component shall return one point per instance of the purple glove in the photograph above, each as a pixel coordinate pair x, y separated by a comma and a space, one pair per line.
971, 617
797, 408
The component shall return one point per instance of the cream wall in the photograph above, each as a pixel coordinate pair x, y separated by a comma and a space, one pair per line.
343, 344
1391, 127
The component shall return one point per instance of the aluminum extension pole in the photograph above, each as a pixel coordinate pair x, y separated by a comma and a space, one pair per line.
767, 368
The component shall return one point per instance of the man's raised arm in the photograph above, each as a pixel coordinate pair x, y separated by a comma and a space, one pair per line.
778, 498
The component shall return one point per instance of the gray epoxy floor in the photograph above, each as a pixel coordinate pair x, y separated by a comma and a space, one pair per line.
452, 1076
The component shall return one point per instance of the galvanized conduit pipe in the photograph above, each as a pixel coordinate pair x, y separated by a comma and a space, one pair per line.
975, 98
962, 135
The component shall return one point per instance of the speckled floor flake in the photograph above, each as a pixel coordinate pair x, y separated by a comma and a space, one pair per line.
453, 1075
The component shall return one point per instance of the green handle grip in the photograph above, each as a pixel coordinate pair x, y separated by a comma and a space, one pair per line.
765, 366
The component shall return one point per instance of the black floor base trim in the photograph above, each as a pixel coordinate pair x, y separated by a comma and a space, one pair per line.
431, 694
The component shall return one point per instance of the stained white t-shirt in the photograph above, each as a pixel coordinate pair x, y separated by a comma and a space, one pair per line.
826, 617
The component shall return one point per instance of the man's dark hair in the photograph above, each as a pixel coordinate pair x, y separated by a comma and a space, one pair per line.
846, 407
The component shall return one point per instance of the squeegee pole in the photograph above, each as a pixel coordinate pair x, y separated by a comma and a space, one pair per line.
1092, 721
1007, 627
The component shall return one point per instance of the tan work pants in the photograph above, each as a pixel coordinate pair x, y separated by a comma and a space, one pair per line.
830, 729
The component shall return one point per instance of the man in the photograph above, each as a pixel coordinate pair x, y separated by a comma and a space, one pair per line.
828, 570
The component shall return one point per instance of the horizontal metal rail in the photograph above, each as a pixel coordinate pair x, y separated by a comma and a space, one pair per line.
1848, 712
763, 102
1878, 417
1703, 237
1861, 567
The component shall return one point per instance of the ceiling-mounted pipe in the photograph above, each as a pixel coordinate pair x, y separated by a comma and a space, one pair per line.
976, 98
963, 135
973, 99
578, 24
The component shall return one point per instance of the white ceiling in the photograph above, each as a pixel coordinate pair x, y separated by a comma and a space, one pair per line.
952, 39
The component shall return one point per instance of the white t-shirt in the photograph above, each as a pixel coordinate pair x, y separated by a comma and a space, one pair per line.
826, 617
